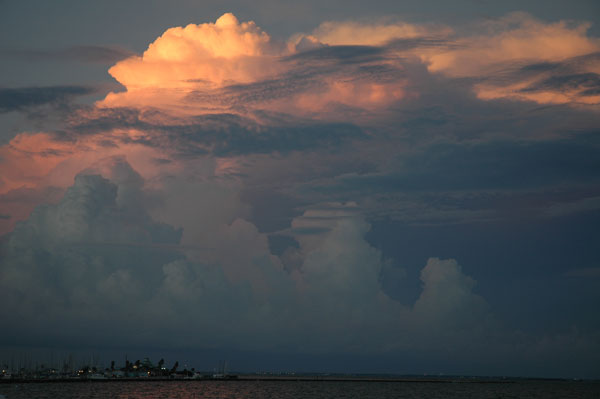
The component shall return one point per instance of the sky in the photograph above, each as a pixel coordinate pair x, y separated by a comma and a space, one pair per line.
384, 187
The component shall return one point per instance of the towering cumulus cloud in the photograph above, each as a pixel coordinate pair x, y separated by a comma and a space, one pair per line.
310, 195
228, 64
214, 54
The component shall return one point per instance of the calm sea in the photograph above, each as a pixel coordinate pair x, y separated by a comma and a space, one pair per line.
300, 389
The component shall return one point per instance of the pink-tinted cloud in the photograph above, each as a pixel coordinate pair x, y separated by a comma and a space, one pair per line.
217, 112
375, 34
40, 165
515, 38
236, 67
341, 71
212, 61
516, 41
212, 54
498, 47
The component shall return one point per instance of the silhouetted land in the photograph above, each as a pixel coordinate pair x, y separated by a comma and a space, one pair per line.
307, 377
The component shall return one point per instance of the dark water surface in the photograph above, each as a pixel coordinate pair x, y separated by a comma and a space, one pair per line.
299, 389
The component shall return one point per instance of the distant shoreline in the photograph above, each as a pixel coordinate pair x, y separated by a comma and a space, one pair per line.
448, 380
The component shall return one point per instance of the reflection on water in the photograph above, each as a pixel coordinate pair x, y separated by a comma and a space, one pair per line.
298, 389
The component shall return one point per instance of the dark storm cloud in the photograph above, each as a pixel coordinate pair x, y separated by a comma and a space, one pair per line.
90, 53
235, 137
492, 165
99, 234
466, 182
505, 165
27, 98
281, 139
98, 257
220, 134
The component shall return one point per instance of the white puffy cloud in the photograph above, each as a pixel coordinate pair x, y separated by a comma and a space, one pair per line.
447, 298
92, 258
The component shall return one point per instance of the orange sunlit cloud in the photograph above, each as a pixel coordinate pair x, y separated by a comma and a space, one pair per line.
189, 71
516, 40
211, 54
530, 40
512, 41
519, 92
208, 57
40, 161
205, 57
27, 158
269, 194
354, 33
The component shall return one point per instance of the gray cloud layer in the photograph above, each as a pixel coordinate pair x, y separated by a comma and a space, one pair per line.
26, 98
99, 258
239, 215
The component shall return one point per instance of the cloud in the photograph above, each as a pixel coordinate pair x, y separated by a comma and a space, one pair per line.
375, 34
94, 210
487, 55
588, 203
38, 166
220, 134
27, 98
574, 80
493, 54
28, 157
49, 159
229, 191
231, 66
207, 54
464, 182
519, 39
101, 256
19, 203
94, 257
514, 38
324, 100
83, 246
447, 293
